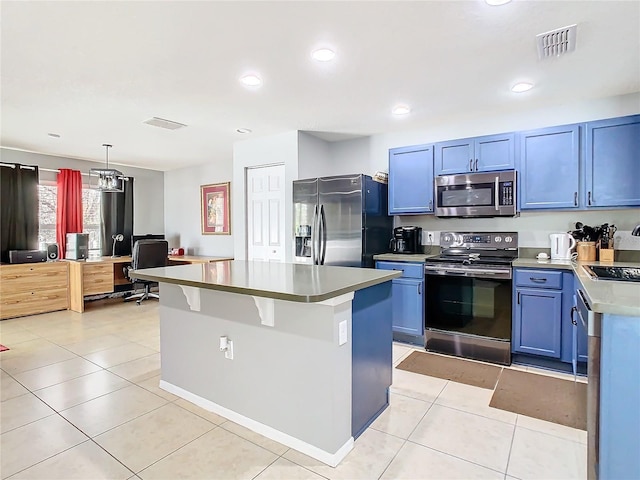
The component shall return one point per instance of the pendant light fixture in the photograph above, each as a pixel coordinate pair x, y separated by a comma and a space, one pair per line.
106, 179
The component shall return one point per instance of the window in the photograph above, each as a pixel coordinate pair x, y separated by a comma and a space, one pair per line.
90, 215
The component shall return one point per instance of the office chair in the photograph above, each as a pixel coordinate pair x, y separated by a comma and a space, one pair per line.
146, 254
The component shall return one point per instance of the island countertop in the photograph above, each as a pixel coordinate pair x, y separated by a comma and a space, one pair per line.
282, 281
605, 296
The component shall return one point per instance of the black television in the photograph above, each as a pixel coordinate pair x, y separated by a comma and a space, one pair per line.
148, 236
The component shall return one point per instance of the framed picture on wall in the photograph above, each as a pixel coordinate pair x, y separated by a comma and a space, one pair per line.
214, 209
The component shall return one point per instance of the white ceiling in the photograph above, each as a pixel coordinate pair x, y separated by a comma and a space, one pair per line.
92, 72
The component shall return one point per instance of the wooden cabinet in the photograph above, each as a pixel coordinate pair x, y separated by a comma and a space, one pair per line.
32, 288
411, 180
549, 170
612, 166
407, 301
479, 154
97, 278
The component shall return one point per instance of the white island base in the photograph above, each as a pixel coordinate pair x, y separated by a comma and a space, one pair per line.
296, 376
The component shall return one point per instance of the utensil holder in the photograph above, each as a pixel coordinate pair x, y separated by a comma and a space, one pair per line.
606, 254
586, 251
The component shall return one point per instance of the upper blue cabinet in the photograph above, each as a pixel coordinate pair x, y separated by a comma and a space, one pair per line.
612, 162
411, 180
479, 154
549, 172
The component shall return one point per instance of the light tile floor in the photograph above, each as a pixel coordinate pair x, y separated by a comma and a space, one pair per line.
80, 400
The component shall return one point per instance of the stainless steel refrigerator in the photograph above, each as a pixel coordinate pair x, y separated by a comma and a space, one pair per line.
340, 220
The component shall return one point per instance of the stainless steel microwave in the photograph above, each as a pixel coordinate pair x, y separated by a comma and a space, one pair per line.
491, 194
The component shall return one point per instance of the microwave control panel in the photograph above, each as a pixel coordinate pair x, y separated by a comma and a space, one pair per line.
506, 193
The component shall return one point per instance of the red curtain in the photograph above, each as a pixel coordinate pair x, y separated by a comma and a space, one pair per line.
69, 211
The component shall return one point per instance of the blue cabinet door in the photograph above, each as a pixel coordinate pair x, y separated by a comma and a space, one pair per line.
411, 180
612, 162
494, 152
408, 306
537, 322
454, 156
549, 172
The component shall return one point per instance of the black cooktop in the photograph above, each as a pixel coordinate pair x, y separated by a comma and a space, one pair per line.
475, 256
625, 274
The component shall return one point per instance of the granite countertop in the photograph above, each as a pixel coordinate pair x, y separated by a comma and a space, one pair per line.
283, 281
404, 257
605, 296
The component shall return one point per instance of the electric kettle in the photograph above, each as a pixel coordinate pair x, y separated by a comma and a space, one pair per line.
561, 246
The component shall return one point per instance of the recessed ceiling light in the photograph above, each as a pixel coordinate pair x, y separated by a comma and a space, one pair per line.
251, 80
496, 3
54, 135
401, 110
521, 87
243, 130
323, 55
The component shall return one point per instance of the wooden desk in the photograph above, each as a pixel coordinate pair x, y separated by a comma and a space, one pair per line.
100, 275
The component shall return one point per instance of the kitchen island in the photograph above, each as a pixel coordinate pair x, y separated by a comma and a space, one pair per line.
307, 349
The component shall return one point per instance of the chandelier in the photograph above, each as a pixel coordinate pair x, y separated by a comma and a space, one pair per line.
106, 179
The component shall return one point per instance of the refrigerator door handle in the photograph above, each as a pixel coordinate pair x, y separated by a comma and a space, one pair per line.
314, 236
323, 233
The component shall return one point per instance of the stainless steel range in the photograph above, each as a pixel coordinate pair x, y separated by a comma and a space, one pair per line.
469, 295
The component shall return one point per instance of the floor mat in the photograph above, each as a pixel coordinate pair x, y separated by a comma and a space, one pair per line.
451, 368
539, 396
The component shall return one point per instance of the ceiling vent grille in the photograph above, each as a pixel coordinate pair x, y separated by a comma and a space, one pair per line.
556, 42
162, 123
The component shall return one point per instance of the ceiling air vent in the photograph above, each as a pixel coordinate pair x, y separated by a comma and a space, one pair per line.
162, 123
556, 42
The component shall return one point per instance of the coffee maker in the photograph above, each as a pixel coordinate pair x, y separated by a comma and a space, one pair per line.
406, 240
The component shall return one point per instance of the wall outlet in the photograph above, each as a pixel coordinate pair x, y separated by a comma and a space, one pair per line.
228, 353
428, 238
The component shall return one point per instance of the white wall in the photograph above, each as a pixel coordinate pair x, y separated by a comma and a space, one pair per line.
148, 190
182, 209
282, 148
314, 158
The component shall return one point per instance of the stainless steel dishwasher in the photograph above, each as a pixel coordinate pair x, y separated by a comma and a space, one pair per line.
592, 322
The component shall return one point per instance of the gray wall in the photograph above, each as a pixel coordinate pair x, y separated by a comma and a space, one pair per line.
182, 209
148, 194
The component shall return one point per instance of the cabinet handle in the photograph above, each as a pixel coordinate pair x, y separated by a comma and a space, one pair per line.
518, 298
476, 167
575, 199
471, 164
573, 320
538, 280
430, 205
589, 198
419, 289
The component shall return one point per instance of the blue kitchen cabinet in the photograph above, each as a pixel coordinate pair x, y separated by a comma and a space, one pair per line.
537, 323
411, 180
612, 162
549, 170
479, 154
407, 293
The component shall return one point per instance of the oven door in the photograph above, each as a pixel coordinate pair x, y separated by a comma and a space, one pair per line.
468, 312
476, 195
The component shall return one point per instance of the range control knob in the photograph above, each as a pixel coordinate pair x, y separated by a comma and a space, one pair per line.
497, 239
508, 239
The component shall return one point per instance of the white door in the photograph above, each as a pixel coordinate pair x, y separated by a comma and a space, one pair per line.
265, 213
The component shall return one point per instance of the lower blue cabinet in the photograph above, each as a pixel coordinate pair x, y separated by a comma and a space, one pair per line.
407, 316
537, 324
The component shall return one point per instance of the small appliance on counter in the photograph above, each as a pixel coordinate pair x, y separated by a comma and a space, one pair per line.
561, 246
77, 246
406, 240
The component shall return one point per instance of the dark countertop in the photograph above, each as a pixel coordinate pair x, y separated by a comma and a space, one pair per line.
282, 281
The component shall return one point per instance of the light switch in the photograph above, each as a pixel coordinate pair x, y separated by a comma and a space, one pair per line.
342, 333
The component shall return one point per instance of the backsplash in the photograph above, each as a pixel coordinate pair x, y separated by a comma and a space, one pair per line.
533, 228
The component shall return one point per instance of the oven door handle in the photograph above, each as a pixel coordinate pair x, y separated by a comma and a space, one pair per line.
466, 271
